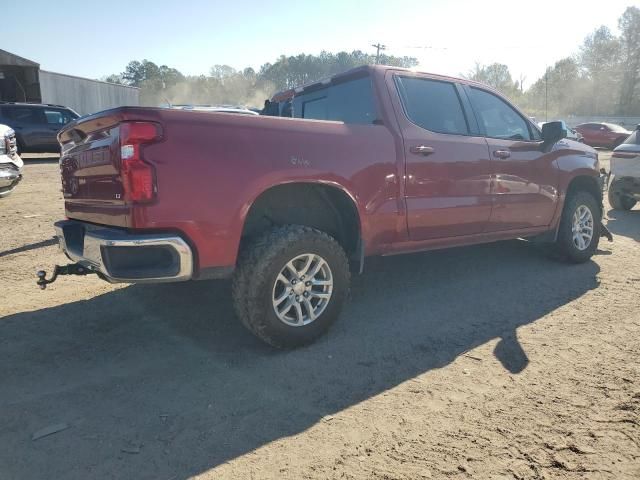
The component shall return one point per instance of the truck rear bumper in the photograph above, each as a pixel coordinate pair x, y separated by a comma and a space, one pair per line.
120, 256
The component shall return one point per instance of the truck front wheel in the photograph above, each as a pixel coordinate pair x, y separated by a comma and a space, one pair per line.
579, 230
290, 285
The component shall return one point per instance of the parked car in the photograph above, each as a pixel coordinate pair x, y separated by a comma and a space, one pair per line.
10, 161
571, 133
605, 135
36, 125
376, 161
624, 190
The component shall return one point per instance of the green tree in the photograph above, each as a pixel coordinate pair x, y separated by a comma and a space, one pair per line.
600, 61
629, 24
114, 78
496, 75
134, 73
288, 72
557, 92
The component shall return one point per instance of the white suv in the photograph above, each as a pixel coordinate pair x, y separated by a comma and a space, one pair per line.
10, 162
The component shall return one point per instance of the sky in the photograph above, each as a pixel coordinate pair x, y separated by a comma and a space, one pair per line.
94, 39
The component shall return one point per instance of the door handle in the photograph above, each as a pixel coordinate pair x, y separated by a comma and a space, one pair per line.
422, 150
502, 153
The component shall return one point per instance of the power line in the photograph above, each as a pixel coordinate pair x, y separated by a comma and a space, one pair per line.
378, 46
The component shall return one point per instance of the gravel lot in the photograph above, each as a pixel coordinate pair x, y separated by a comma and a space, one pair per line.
481, 362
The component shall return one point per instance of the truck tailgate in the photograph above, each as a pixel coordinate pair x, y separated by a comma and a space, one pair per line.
96, 181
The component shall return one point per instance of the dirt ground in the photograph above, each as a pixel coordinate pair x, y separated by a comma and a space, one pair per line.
482, 362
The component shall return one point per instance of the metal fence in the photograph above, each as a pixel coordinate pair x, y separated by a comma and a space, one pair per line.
83, 95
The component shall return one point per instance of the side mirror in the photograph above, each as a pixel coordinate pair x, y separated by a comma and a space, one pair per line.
554, 131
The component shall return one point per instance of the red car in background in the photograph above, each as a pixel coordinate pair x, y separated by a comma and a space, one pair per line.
606, 135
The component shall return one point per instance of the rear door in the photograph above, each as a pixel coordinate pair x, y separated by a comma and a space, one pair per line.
523, 175
447, 168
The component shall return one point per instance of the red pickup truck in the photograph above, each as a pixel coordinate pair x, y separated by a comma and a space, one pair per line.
374, 161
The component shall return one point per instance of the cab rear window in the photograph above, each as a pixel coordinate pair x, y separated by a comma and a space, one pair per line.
349, 102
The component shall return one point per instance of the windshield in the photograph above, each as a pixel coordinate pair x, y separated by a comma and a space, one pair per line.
633, 139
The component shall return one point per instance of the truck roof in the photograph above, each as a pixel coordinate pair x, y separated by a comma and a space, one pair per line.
356, 72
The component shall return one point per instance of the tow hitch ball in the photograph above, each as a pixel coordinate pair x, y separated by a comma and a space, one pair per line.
70, 269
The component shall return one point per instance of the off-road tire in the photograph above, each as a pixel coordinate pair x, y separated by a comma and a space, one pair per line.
618, 200
564, 245
259, 264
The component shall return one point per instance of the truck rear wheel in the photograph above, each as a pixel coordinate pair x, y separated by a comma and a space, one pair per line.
290, 285
579, 230
618, 198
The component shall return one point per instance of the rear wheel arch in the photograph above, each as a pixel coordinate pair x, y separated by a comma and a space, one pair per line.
328, 208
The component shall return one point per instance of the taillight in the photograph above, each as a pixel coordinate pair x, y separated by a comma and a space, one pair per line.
138, 177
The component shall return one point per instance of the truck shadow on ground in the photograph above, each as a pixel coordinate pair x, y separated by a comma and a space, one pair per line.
625, 223
29, 246
167, 373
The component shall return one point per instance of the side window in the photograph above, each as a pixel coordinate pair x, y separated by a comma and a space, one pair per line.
23, 114
432, 105
54, 117
315, 108
57, 117
536, 134
498, 118
348, 102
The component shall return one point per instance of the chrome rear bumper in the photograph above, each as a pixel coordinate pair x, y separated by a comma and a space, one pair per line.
121, 256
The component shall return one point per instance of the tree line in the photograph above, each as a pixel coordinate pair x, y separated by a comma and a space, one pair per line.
226, 85
601, 78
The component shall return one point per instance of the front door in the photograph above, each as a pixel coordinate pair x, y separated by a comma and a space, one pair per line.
447, 169
523, 175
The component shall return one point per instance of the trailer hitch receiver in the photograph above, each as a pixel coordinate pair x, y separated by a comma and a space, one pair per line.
70, 269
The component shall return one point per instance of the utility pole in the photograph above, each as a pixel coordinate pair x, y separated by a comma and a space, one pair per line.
546, 95
378, 46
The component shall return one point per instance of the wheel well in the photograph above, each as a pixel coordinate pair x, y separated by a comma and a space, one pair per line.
323, 207
588, 184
